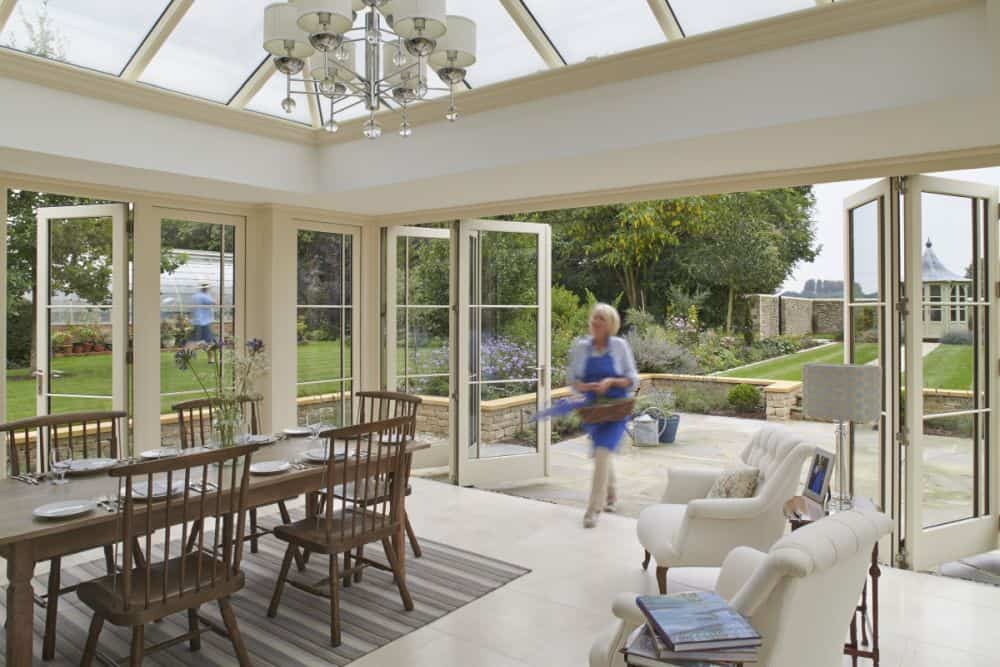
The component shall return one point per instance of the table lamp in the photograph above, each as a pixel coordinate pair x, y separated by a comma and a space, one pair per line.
842, 393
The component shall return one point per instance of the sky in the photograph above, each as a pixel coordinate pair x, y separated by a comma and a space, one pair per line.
946, 222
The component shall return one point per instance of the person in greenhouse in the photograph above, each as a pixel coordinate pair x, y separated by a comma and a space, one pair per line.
203, 317
601, 366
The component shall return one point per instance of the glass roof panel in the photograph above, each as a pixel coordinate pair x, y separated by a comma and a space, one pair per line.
101, 36
698, 16
268, 101
212, 51
593, 28
503, 50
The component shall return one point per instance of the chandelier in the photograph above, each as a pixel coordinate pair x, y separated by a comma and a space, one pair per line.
399, 40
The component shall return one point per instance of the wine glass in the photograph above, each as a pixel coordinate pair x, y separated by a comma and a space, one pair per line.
60, 457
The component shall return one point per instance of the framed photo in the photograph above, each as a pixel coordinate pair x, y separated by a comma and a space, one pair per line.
818, 479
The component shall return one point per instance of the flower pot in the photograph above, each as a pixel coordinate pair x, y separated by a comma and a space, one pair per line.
668, 428
77, 348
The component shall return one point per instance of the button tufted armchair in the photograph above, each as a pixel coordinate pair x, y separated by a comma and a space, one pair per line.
799, 596
688, 529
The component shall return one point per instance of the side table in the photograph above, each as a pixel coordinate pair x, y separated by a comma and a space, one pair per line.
801, 511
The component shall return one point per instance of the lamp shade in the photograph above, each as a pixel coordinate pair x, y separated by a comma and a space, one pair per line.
338, 14
394, 74
846, 392
457, 47
409, 15
281, 29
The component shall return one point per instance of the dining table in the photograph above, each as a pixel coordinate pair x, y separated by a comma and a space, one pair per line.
26, 540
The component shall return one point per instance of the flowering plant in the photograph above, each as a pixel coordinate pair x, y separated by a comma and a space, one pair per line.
232, 381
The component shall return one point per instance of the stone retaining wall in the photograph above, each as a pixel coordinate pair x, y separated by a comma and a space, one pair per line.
795, 316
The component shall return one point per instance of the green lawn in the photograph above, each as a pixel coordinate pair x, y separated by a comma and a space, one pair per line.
790, 367
949, 367
91, 374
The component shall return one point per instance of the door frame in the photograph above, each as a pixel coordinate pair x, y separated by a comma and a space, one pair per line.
499, 470
927, 547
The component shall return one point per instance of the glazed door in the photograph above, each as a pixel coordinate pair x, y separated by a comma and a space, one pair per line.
500, 351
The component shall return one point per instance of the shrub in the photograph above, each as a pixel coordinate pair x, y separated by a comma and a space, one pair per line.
654, 353
957, 337
639, 321
700, 402
744, 398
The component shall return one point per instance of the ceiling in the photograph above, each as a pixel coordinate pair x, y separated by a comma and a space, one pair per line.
211, 49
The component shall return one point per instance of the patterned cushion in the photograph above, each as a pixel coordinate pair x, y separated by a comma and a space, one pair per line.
739, 483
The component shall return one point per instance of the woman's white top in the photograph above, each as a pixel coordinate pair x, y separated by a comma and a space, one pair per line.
621, 356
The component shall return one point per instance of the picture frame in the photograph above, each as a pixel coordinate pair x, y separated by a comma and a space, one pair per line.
820, 473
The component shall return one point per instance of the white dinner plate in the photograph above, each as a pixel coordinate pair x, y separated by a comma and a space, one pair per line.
80, 466
269, 467
297, 431
65, 509
160, 453
318, 455
262, 439
159, 489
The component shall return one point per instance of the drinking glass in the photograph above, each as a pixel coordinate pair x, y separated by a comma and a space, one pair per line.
60, 457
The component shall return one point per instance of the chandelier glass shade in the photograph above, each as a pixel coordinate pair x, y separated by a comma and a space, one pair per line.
382, 63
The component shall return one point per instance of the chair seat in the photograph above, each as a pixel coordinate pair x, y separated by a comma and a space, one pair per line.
311, 532
375, 495
657, 530
104, 595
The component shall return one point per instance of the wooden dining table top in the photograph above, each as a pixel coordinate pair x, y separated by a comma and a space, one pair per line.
18, 500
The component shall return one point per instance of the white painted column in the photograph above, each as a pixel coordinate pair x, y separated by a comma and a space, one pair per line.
146, 327
259, 299
282, 341
370, 308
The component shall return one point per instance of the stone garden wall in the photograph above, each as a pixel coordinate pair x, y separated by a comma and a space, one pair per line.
795, 316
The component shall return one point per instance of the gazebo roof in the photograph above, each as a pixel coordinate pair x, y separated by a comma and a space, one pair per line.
934, 271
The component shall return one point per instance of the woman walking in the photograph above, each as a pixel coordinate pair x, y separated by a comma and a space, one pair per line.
602, 365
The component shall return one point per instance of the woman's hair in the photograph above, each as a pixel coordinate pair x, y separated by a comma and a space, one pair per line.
607, 313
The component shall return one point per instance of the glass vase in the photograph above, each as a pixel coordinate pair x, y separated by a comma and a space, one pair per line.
228, 423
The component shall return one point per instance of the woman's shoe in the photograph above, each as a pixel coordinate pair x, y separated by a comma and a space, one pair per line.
612, 505
590, 519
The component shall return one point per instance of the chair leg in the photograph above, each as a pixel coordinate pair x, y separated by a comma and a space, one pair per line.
195, 641
254, 540
645, 560
109, 559
229, 617
661, 578
404, 592
334, 602
286, 518
412, 536
52, 609
359, 557
279, 585
193, 537
138, 645
347, 567
90, 648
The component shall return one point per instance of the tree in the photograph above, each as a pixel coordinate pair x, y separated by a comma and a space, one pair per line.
44, 38
751, 242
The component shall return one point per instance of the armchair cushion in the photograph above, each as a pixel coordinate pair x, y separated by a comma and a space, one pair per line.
738, 483
686, 484
658, 527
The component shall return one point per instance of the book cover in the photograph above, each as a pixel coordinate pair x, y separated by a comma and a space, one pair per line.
642, 643
697, 620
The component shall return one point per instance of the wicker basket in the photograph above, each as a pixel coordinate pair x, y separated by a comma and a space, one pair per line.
611, 411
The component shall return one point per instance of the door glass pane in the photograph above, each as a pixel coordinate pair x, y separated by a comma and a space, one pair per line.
98, 35
865, 252
212, 51
867, 462
324, 326
955, 395
508, 269
585, 29
698, 16
423, 316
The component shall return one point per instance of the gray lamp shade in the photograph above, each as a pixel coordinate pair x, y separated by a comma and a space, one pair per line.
842, 392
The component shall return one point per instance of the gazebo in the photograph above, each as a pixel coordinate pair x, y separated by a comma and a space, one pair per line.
945, 294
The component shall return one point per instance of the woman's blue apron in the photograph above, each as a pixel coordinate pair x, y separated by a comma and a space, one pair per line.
606, 434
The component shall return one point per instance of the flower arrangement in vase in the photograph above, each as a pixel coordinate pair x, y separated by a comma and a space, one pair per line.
231, 382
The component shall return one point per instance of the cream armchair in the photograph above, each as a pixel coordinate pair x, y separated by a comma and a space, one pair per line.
799, 596
688, 529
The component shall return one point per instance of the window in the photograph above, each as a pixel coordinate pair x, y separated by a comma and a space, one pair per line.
934, 297
698, 16
959, 295
324, 326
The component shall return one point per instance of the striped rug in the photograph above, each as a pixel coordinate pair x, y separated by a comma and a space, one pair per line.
372, 615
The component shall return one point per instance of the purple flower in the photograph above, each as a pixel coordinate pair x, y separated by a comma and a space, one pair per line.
255, 345
183, 358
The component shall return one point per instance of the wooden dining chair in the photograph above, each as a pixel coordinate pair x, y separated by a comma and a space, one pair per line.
29, 441
195, 418
214, 494
376, 406
373, 460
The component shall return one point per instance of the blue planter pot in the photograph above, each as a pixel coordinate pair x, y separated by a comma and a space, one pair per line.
668, 429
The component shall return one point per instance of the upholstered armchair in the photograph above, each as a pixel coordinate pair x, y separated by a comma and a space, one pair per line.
799, 596
688, 529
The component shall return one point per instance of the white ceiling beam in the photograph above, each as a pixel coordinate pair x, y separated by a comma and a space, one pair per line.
253, 85
165, 25
6, 9
529, 26
665, 17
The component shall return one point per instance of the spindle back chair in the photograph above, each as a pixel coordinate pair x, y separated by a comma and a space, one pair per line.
205, 488
195, 418
372, 458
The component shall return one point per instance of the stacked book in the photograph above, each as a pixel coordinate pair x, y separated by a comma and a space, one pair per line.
691, 629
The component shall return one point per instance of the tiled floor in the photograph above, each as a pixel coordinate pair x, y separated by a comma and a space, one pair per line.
549, 617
